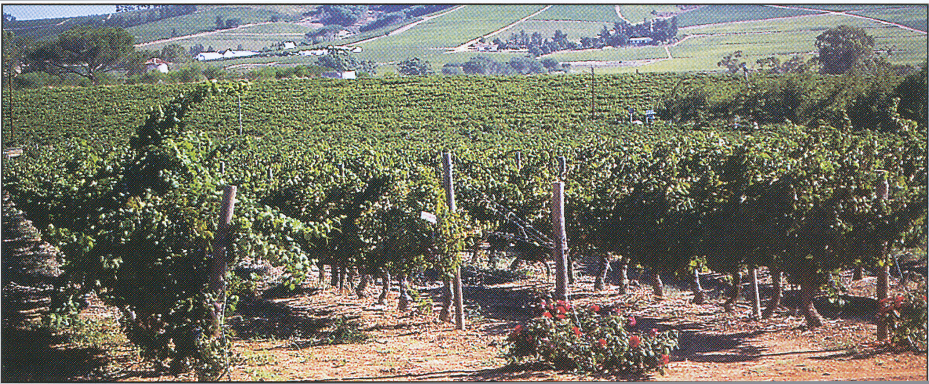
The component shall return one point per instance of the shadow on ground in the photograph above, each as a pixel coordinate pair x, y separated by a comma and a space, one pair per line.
28, 356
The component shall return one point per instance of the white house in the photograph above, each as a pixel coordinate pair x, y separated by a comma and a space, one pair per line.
347, 75
207, 56
640, 40
314, 52
290, 45
156, 64
230, 54
227, 54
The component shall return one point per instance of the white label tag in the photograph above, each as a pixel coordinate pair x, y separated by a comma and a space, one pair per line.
428, 217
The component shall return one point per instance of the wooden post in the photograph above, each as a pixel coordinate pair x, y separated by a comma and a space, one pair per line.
561, 242
593, 100
450, 197
699, 296
756, 299
218, 264
883, 192
519, 161
239, 97
222, 167
562, 167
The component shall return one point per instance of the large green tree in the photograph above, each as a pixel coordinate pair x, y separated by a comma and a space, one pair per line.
15, 49
87, 52
841, 47
415, 67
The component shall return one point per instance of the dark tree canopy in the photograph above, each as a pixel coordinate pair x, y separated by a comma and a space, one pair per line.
841, 47
86, 51
415, 67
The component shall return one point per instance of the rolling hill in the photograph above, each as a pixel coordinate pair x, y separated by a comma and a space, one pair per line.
389, 34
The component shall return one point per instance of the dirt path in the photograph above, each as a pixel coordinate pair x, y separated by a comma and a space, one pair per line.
464, 47
620, 14
277, 337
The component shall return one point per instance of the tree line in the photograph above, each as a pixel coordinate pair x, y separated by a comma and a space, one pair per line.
657, 31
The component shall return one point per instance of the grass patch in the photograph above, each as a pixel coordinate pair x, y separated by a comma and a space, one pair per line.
639, 13
913, 17
576, 12
720, 13
203, 20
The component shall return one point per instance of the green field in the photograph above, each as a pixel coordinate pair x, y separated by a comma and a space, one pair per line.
197, 22
796, 35
429, 39
251, 37
713, 14
848, 7
914, 17
605, 13
613, 54
638, 13
574, 29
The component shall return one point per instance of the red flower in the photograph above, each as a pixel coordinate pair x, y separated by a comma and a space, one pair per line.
518, 329
898, 301
577, 331
562, 310
602, 343
547, 314
631, 321
653, 333
634, 341
665, 359
595, 308
560, 316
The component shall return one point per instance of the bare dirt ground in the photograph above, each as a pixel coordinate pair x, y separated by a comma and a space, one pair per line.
283, 335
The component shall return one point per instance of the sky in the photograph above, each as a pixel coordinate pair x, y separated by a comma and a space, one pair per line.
43, 11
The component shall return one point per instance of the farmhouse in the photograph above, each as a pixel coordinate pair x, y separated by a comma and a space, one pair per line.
348, 75
290, 45
641, 41
156, 64
314, 52
227, 54
207, 56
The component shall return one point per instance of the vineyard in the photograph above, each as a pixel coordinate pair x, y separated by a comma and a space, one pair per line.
339, 185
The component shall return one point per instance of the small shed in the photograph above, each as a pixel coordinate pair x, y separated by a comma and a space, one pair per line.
156, 64
290, 45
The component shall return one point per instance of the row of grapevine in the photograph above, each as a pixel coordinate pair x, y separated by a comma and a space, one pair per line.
337, 174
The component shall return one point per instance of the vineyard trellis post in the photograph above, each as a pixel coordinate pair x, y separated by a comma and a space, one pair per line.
218, 263
560, 236
756, 297
450, 197
883, 192
562, 167
519, 161
593, 97
239, 97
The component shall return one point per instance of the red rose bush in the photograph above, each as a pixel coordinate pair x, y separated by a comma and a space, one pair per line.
590, 339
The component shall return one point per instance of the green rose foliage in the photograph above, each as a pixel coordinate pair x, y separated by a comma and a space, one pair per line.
592, 339
905, 316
